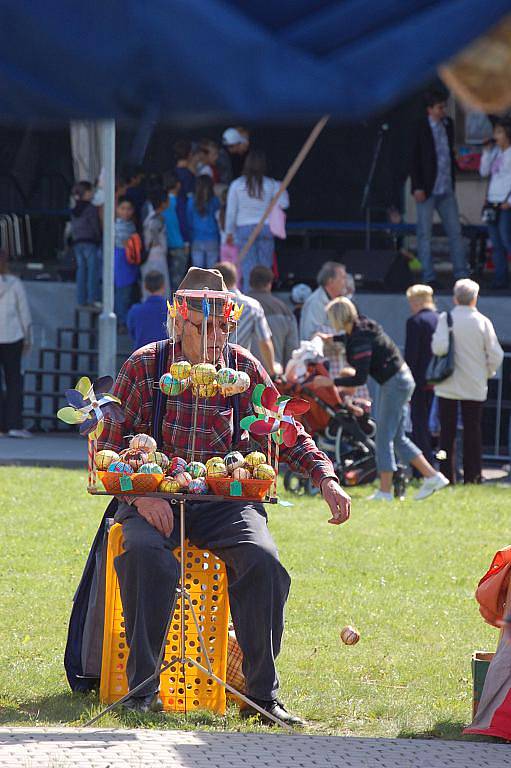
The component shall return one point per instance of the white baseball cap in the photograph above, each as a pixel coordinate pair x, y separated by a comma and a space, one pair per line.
300, 293
232, 136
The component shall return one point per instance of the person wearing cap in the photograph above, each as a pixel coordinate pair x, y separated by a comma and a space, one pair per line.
236, 142
235, 531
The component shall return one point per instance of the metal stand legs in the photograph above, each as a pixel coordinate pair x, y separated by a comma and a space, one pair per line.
162, 665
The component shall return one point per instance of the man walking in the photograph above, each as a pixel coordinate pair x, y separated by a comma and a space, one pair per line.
282, 322
433, 177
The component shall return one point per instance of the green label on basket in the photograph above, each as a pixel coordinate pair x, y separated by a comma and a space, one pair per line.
236, 489
126, 484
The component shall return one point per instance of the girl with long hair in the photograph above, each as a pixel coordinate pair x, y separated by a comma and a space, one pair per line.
202, 208
247, 200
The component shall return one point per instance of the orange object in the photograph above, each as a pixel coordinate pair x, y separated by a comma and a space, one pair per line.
206, 583
254, 490
491, 593
141, 482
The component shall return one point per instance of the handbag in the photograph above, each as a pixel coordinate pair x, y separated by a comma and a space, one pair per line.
277, 222
440, 367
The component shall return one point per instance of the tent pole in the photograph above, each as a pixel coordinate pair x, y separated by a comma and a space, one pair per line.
293, 168
107, 319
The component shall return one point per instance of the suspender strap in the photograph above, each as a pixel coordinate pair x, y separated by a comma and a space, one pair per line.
159, 399
235, 401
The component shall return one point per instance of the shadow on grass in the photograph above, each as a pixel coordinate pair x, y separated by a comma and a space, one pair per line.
446, 729
60, 708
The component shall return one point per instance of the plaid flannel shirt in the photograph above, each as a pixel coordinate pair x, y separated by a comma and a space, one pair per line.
214, 432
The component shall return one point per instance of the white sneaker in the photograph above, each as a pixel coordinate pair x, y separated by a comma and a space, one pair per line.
380, 496
430, 485
24, 433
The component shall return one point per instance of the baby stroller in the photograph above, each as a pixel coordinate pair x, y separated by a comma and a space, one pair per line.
341, 426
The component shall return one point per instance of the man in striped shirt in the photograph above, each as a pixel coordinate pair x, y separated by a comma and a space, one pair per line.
235, 531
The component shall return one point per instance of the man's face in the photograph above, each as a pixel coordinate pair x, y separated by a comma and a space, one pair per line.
438, 111
336, 286
191, 332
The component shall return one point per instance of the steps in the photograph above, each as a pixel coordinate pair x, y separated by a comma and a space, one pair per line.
59, 367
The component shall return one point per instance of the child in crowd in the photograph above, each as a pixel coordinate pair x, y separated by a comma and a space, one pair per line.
203, 226
177, 255
86, 231
146, 321
207, 157
126, 272
155, 238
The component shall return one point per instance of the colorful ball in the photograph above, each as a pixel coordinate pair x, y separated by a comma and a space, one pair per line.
121, 467
226, 377
242, 382
217, 469
214, 460
264, 472
241, 473
169, 485
171, 386
177, 465
103, 459
183, 479
205, 390
197, 485
157, 457
143, 442
203, 373
151, 469
234, 460
350, 635
180, 370
196, 469
255, 458
134, 457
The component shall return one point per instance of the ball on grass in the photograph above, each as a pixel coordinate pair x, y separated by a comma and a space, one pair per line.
349, 635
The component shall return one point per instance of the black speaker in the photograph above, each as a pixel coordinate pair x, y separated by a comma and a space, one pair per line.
302, 266
383, 270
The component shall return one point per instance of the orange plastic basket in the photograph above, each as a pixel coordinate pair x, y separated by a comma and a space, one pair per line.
180, 690
142, 482
255, 490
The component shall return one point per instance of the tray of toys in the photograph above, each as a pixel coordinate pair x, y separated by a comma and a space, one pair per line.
142, 469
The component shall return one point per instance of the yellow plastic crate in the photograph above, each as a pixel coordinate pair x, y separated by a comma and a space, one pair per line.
206, 583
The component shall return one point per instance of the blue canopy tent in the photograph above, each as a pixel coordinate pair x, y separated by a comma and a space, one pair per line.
187, 61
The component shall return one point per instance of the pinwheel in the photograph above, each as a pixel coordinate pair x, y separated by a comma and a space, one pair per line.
88, 405
274, 415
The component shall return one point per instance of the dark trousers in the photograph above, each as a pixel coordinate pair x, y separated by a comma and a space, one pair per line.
471, 413
259, 585
11, 401
420, 406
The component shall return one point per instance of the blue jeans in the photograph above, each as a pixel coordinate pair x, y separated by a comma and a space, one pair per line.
261, 253
205, 253
447, 208
500, 234
393, 402
122, 302
87, 273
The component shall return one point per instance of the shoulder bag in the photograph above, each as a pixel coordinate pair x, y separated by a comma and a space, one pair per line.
442, 366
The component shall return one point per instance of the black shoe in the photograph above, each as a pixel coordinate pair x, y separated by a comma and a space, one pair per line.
144, 704
435, 284
275, 708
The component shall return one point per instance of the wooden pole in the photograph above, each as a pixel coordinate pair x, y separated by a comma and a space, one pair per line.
302, 154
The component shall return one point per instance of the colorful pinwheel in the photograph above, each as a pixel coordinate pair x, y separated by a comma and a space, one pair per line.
274, 415
89, 404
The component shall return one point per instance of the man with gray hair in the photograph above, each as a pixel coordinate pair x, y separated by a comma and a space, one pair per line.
477, 356
331, 284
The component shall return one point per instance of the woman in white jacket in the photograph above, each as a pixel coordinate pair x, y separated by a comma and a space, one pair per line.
496, 163
477, 356
15, 324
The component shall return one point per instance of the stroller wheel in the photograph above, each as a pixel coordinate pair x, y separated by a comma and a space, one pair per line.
311, 489
293, 483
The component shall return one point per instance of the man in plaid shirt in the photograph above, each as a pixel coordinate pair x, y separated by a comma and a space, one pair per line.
235, 531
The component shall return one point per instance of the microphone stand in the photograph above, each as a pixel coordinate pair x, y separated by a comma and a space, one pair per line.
365, 205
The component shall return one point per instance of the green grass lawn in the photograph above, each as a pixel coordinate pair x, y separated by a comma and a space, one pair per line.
404, 574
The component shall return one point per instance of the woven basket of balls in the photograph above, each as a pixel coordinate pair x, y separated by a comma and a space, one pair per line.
141, 482
255, 490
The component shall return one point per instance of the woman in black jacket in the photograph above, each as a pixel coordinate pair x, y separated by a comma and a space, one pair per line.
372, 353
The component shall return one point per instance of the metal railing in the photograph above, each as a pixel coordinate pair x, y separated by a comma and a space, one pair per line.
500, 406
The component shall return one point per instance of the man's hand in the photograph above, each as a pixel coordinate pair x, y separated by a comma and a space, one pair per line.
337, 499
420, 196
505, 206
158, 513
